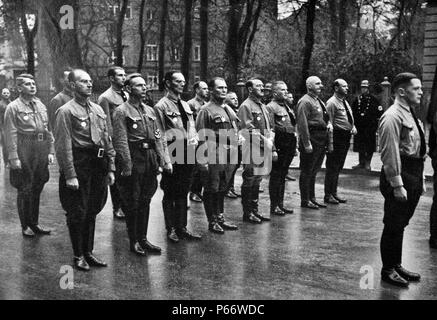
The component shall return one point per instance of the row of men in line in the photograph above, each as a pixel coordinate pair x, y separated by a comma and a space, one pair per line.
88, 140
87, 159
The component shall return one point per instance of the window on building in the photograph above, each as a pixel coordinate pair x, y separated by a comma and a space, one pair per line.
176, 54
116, 9
152, 81
150, 15
196, 53
152, 52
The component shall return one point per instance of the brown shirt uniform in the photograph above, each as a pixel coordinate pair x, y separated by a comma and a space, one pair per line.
83, 127
26, 118
137, 126
109, 100
399, 136
58, 101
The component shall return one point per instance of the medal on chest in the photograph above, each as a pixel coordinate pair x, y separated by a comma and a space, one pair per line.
135, 126
26, 118
83, 124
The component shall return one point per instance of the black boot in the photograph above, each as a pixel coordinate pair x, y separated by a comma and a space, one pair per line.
254, 204
248, 216
168, 209
281, 200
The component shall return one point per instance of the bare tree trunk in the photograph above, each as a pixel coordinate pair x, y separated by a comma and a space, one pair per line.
188, 43
64, 46
309, 42
204, 39
119, 43
29, 37
142, 36
162, 43
332, 4
232, 46
343, 25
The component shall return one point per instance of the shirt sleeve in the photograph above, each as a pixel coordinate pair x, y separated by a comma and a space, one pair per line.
330, 108
103, 102
302, 123
11, 131
120, 140
64, 144
389, 133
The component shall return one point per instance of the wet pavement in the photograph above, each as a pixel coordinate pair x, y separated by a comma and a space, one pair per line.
307, 255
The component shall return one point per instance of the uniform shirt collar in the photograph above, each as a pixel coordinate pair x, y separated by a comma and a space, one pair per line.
173, 97
27, 102
403, 105
255, 100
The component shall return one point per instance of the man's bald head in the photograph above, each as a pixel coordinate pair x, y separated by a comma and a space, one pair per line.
340, 87
314, 85
80, 82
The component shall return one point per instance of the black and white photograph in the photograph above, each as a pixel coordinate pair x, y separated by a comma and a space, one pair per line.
218, 156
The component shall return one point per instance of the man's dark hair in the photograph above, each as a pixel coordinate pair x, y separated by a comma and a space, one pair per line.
211, 82
132, 76
335, 84
249, 83
20, 79
403, 79
111, 71
196, 86
168, 76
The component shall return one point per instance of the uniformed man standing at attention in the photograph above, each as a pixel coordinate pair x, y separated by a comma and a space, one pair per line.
366, 111
285, 143
200, 89
232, 101
61, 98
257, 127
343, 122
219, 123
30, 147
313, 126
4, 101
86, 161
139, 154
176, 119
403, 151
109, 100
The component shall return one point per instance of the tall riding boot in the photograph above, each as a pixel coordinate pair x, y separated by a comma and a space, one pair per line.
181, 208
208, 205
274, 191
281, 199
254, 204
169, 211
130, 218
220, 202
23, 207
246, 193
211, 207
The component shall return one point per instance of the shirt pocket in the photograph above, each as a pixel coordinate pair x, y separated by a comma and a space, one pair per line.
134, 125
280, 117
102, 121
220, 122
408, 137
80, 123
25, 119
173, 117
257, 119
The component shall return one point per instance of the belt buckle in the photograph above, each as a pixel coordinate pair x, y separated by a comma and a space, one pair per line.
100, 153
145, 145
40, 136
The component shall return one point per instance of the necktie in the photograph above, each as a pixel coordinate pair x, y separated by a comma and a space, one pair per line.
183, 114
349, 116
422, 135
123, 95
325, 113
95, 135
